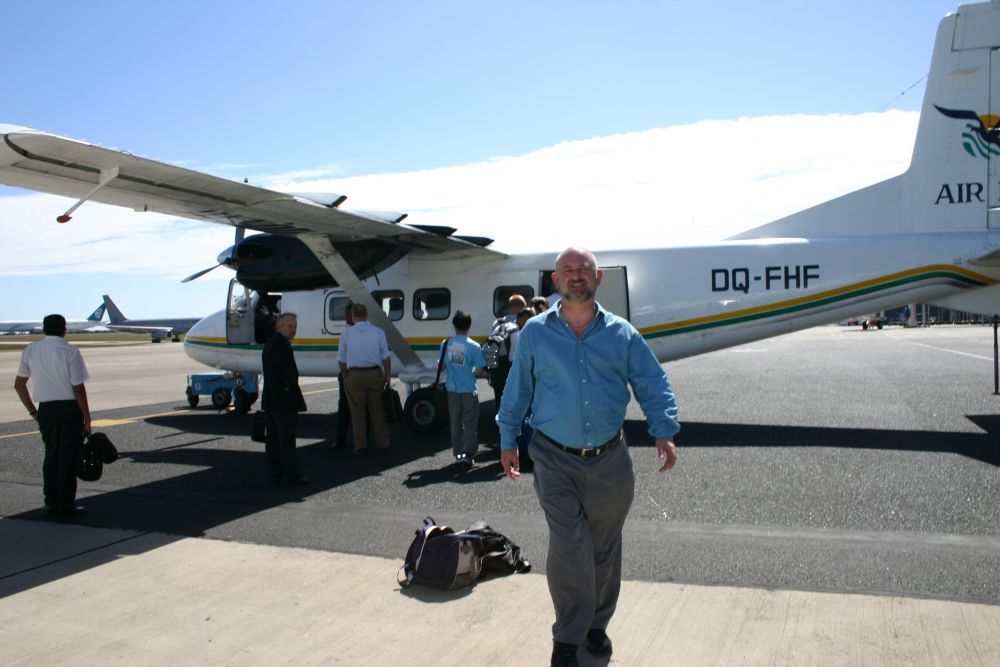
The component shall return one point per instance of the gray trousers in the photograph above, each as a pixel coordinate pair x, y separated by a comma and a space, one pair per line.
585, 503
463, 411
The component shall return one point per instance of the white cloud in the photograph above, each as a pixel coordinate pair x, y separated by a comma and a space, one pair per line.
665, 186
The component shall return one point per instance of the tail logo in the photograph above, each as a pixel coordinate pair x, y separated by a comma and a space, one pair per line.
982, 133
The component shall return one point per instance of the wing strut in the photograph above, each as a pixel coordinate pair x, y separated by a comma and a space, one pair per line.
107, 175
335, 264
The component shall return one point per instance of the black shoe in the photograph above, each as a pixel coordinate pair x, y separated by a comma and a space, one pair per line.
338, 444
598, 643
298, 480
67, 513
563, 654
359, 452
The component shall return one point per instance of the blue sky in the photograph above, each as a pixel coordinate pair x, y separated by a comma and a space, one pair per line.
493, 117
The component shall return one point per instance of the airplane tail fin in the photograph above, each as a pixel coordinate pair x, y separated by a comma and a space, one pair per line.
97, 315
953, 182
114, 314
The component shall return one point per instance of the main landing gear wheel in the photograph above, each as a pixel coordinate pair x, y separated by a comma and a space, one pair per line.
426, 410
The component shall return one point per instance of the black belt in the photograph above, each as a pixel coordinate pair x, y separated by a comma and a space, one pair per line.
364, 368
589, 452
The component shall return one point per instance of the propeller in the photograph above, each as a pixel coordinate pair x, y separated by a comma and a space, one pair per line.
226, 258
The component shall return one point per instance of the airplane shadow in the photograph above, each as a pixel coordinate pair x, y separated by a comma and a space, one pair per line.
984, 447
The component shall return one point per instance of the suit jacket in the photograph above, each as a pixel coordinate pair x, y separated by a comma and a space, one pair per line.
281, 377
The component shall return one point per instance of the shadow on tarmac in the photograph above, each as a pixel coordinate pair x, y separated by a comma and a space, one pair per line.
229, 484
984, 447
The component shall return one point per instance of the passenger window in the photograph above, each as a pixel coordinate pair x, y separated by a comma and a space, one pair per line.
503, 293
432, 304
391, 302
336, 307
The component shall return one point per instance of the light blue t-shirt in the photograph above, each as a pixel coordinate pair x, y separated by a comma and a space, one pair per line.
460, 357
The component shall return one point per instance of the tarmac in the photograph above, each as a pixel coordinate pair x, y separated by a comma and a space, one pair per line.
83, 595
87, 596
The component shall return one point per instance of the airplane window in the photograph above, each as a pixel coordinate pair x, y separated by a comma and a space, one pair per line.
432, 304
504, 292
336, 307
391, 302
545, 280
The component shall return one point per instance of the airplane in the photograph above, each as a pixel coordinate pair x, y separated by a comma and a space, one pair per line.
929, 235
158, 329
93, 321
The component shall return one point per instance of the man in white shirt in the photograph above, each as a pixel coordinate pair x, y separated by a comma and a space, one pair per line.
364, 360
57, 375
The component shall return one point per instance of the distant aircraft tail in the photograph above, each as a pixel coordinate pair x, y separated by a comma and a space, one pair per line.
97, 315
114, 314
953, 182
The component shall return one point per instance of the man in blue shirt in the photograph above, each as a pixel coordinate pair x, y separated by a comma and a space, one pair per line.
573, 368
461, 357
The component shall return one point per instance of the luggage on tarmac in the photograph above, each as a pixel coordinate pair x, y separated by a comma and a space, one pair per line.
443, 558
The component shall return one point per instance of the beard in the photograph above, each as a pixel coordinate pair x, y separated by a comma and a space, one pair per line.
577, 294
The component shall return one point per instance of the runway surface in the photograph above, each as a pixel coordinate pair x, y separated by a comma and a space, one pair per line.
828, 460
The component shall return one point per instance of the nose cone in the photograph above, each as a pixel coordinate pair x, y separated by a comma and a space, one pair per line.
206, 338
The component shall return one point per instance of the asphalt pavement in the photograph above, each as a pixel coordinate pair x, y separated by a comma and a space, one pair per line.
835, 501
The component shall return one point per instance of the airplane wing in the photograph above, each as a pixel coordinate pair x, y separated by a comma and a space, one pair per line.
49, 163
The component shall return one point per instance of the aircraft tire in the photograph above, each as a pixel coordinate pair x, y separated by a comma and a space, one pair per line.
426, 410
220, 399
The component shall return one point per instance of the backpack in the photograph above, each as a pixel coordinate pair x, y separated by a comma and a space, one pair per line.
441, 558
496, 348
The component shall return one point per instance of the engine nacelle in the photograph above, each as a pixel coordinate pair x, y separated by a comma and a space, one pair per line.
283, 263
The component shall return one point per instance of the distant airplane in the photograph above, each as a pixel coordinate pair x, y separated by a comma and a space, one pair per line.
158, 329
35, 326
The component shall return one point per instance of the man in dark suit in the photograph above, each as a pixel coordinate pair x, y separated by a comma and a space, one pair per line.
282, 400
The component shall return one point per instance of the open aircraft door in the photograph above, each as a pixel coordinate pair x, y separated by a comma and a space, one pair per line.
993, 146
239, 315
613, 292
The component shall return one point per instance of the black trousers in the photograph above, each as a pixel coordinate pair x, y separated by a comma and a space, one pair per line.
61, 424
280, 445
343, 412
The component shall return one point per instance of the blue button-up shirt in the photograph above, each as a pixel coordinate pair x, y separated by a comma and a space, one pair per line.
577, 388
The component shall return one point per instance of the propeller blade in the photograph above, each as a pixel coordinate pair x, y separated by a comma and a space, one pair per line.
199, 274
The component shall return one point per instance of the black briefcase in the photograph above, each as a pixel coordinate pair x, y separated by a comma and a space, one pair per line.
258, 431
393, 406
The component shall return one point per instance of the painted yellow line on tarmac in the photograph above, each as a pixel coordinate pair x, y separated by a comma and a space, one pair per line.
104, 423
17, 435
124, 421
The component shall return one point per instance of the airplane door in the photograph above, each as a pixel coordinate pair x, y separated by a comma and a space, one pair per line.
993, 179
613, 292
239, 315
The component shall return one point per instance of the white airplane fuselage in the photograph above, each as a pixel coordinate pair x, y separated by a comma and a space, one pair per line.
685, 301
